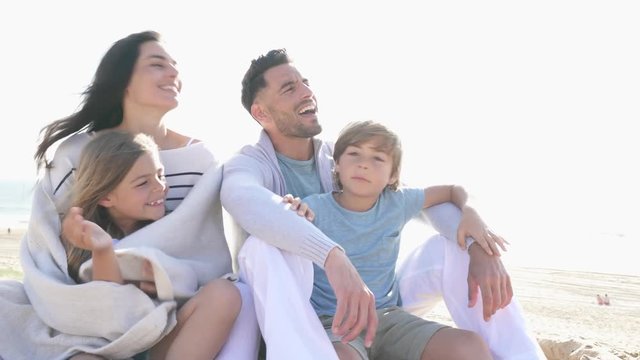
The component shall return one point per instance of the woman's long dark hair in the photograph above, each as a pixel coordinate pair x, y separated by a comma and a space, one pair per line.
101, 107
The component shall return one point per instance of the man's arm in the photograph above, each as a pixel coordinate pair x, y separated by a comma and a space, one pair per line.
247, 196
261, 212
486, 272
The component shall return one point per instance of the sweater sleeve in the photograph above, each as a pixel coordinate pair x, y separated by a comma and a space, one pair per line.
248, 194
444, 218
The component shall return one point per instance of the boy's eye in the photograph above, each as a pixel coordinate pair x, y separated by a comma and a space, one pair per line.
378, 158
142, 184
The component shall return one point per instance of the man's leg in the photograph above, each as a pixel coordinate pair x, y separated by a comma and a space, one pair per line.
244, 338
282, 283
439, 268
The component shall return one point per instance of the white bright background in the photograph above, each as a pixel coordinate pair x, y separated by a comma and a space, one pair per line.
532, 106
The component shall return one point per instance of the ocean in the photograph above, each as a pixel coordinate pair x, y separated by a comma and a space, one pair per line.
15, 203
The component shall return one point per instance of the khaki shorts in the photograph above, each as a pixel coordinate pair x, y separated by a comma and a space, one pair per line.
400, 335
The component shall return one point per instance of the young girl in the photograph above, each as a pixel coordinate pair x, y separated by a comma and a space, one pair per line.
120, 187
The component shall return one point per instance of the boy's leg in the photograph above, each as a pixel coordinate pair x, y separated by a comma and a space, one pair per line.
440, 268
282, 283
244, 339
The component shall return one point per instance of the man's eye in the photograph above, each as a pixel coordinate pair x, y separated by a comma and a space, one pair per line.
142, 184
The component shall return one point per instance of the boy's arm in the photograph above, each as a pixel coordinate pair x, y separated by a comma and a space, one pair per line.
471, 225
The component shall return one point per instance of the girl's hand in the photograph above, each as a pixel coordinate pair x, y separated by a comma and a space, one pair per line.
472, 225
298, 206
83, 233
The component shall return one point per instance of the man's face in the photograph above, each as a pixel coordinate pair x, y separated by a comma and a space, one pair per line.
288, 105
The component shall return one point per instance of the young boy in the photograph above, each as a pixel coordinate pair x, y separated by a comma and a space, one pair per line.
366, 218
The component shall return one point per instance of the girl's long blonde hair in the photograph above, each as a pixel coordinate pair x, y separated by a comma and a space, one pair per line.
104, 163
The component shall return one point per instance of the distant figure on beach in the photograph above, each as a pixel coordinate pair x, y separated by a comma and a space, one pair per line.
9, 230
606, 300
599, 299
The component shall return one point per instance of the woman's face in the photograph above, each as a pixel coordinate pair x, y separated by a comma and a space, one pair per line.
154, 83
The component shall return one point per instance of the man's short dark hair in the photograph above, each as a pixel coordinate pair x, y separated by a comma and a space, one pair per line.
253, 80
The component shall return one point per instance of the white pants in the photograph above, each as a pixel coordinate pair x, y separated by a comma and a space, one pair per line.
244, 339
437, 270
282, 285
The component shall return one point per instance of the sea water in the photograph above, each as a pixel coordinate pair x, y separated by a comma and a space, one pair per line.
15, 203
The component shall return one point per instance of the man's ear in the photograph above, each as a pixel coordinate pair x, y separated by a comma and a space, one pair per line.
258, 113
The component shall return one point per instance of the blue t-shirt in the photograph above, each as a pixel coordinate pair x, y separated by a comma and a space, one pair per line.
371, 240
300, 176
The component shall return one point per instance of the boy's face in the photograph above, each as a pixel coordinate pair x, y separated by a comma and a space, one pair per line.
364, 169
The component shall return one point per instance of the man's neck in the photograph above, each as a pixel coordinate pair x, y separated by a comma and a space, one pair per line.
294, 148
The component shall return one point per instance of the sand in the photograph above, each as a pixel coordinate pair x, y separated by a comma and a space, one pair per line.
560, 305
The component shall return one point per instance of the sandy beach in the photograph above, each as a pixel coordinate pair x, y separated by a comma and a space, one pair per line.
560, 306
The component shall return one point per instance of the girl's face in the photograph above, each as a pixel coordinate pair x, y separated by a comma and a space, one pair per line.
154, 83
364, 170
139, 196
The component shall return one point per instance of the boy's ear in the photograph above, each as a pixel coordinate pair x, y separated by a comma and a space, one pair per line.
393, 179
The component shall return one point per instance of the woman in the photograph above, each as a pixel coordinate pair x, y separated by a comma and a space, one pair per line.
135, 85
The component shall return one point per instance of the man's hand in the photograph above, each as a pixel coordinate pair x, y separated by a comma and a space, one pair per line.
489, 275
356, 307
301, 208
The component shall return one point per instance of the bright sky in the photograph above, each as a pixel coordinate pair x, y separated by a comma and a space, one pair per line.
531, 105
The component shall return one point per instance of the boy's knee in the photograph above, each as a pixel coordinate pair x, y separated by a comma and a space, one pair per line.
456, 344
346, 352
475, 347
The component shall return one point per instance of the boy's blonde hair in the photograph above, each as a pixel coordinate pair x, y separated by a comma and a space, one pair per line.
104, 163
358, 132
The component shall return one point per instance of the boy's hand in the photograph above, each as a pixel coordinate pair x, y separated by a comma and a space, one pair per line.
298, 206
471, 225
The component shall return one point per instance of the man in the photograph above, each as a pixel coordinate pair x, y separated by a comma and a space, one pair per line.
276, 260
